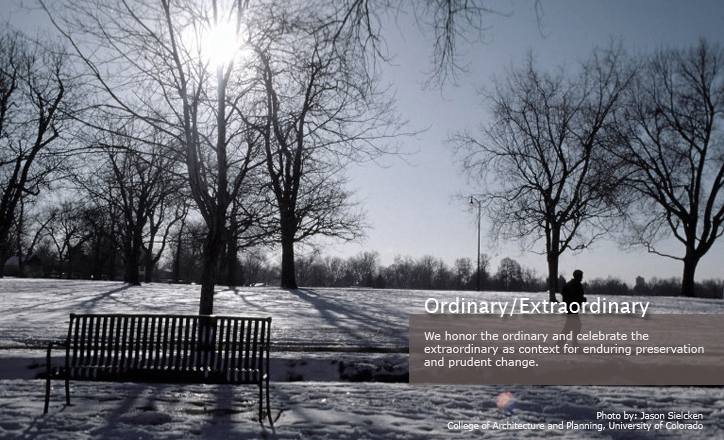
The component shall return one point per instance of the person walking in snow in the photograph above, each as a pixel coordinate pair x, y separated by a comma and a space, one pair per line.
572, 294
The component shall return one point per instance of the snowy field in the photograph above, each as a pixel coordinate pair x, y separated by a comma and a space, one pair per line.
321, 337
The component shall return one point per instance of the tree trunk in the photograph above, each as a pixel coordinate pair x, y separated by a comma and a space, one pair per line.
212, 250
69, 273
552, 278
3, 258
216, 216
208, 281
21, 257
288, 231
288, 276
552, 255
133, 258
687, 281
231, 262
131, 270
97, 271
111, 267
150, 265
177, 261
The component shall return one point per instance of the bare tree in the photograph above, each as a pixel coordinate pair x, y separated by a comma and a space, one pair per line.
103, 220
322, 112
189, 238
463, 269
510, 275
327, 90
672, 138
251, 223
175, 65
162, 218
138, 180
66, 225
33, 96
545, 172
363, 268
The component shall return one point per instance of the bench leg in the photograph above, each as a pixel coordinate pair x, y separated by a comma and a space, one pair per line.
268, 404
47, 394
261, 418
49, 374
48, 371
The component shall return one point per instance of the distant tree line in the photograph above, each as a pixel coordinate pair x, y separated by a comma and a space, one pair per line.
432, 273
426, 272
652, 287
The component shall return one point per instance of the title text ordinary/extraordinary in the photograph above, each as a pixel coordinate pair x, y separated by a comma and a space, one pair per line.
527, 306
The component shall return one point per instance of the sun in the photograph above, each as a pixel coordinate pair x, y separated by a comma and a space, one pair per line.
220, 44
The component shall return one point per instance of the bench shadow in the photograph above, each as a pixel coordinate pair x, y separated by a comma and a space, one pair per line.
214, 405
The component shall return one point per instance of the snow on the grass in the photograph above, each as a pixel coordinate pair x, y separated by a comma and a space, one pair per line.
331, 410
321, 337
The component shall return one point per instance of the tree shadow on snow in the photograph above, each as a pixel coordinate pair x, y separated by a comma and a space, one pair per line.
89, 305
356, 324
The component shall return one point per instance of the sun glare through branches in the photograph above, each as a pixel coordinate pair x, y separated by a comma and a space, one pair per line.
220, 44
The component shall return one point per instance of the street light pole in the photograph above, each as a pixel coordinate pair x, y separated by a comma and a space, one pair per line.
473, 201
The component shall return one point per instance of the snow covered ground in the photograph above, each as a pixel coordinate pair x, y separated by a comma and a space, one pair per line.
321, 339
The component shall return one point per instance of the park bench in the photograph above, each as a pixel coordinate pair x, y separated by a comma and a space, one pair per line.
165, 349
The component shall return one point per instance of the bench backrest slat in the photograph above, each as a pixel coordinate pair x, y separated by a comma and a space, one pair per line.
213, 349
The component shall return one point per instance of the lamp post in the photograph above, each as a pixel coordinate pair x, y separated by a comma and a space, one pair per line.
474, 201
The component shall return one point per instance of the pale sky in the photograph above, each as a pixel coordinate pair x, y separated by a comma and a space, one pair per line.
412, 206
411, 201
